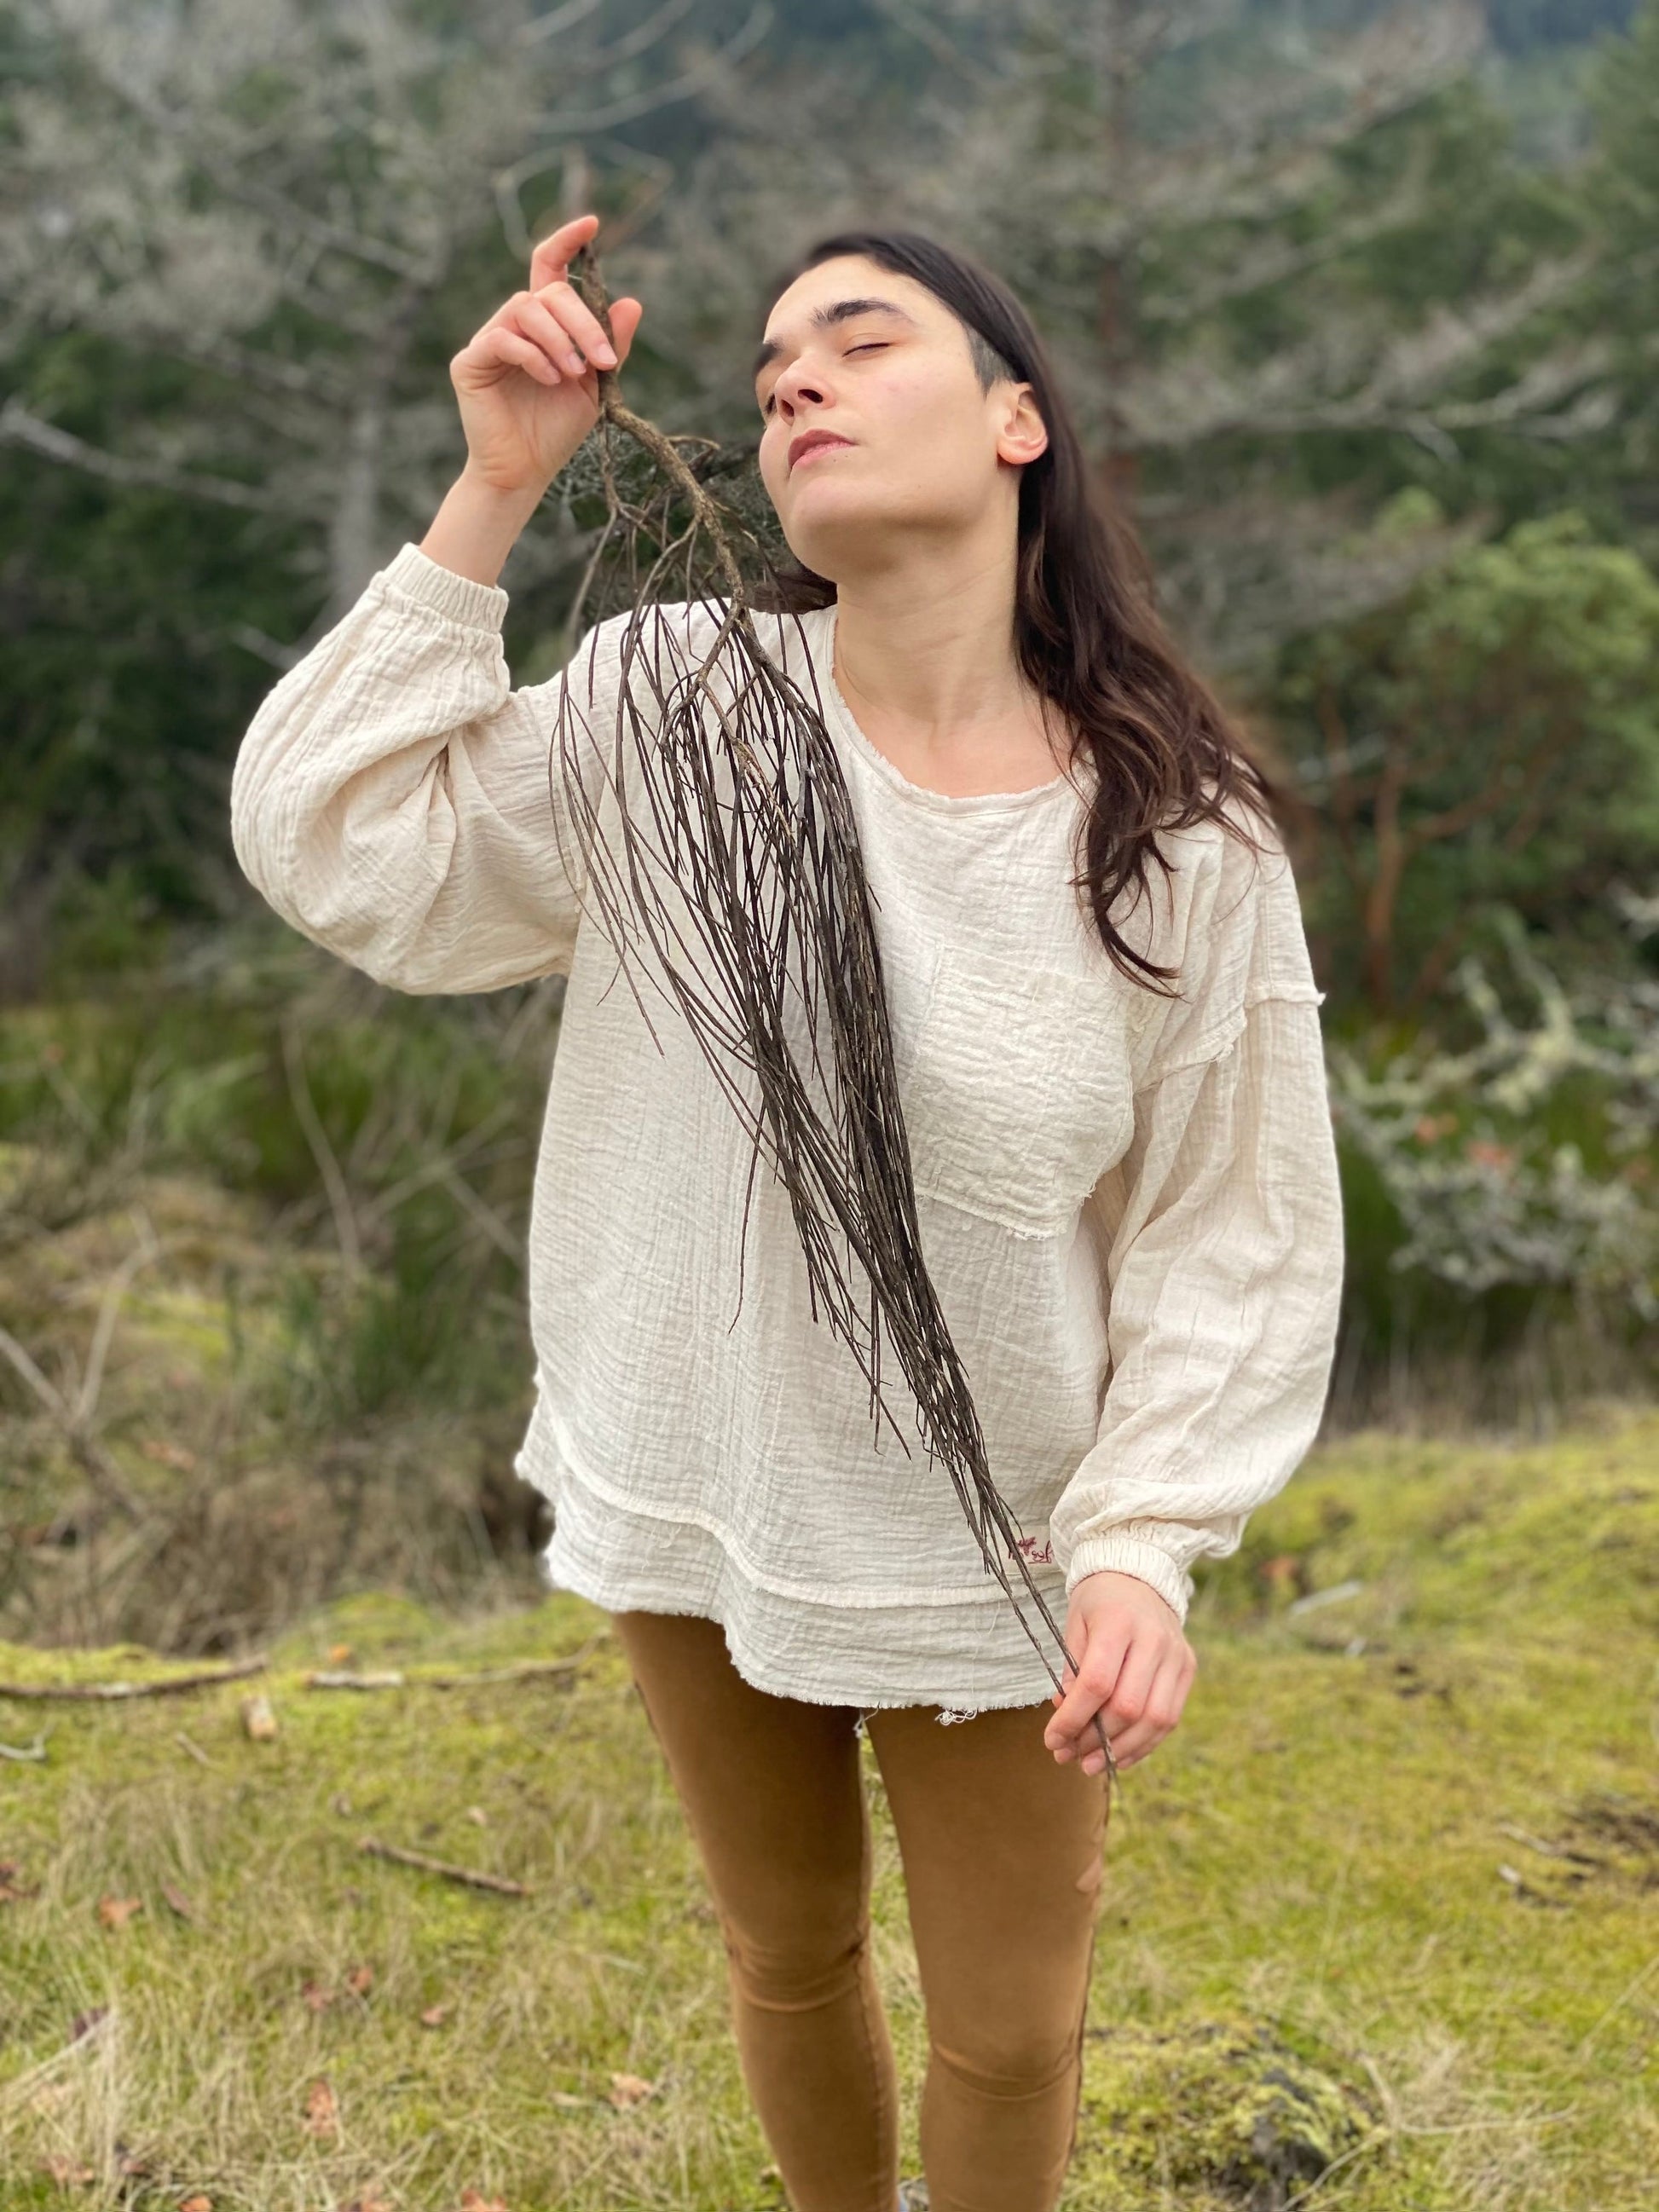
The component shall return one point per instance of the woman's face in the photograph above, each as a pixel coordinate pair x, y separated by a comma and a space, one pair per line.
875, 428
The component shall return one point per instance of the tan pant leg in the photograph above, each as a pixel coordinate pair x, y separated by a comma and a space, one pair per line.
774, 1795
1003, 1853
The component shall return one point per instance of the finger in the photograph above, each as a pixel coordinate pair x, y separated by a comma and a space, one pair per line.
538, 322
513, 350
553, 255
1090, 1695
564, 302
625, 316
1133, 1687
1084, 1695
1159, 1712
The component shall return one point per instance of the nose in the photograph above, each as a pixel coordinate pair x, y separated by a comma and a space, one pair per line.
798, 384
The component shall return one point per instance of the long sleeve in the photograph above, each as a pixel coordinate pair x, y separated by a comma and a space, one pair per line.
1224, 1271
395, 801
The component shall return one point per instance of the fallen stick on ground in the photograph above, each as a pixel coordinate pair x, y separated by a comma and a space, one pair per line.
468, 1874
164, 1687
393, 1678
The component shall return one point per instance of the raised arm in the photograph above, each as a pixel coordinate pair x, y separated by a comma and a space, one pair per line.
393, 799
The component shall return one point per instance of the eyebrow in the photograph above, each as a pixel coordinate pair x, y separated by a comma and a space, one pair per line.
823, 318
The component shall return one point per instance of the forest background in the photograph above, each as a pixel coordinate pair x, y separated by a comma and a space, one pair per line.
1356, 305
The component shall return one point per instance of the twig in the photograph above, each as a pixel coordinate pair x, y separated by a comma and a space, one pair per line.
328, 1167
169, 1687
499, 1235
393, 1678
1548, 1850
470, 1875
109, 1306
334, 1679
75, 1420
88, 1451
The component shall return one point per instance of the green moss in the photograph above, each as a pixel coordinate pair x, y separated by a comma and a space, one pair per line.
1377, 1931
1219, 2106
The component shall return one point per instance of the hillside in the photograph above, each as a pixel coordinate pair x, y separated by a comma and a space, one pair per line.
1379, 1928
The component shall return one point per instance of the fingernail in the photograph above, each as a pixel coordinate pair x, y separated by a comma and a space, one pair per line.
606, 355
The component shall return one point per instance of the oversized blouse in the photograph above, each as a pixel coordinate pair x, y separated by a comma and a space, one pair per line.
1128, 1205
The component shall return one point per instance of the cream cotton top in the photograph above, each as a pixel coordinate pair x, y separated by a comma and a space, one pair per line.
1129, 1206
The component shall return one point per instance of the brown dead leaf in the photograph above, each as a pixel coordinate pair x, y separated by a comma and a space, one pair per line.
471, 2201
360, 1980
169, 1453
435, 2015
322, 2113
367, 2204
1286, 1571
316, 1995
478, 1815
179, 1903
629, 2089
13, 1888
339, 1654
66, 2172
258, 1719
116, 1912
197, 2204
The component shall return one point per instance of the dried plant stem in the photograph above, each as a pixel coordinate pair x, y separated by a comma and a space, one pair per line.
394, 1678
166, 1686
471, 1876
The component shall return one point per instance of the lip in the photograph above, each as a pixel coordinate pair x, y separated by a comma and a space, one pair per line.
810, 441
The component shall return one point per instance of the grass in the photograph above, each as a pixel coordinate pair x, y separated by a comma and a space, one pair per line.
1381, 1927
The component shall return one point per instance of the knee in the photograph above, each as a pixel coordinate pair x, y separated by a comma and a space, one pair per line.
1003, 2059
786, 1974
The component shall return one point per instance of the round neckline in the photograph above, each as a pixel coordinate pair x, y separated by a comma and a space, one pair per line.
920, 794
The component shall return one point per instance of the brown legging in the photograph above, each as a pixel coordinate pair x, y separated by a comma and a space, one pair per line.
1002, 1857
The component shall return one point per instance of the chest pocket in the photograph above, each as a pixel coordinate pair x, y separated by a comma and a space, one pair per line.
1017, 1085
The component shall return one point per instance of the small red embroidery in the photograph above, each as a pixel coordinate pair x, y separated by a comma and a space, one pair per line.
1027, 1546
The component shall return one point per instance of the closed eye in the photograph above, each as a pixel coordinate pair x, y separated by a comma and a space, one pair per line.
869, 345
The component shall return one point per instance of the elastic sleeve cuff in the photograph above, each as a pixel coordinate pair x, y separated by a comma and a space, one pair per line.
415, 576
1117, 1553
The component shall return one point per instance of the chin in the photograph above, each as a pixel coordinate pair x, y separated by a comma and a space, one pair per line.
829, 541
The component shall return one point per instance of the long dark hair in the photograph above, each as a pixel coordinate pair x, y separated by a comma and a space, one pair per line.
1165, 752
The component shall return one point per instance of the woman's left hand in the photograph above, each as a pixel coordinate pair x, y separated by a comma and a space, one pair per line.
1135, 1668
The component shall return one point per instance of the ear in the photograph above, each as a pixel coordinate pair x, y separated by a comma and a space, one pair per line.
1022, 435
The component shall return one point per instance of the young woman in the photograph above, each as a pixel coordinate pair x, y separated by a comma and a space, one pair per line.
1115, 1099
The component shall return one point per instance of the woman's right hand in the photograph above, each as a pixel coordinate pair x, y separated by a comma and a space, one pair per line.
527, 383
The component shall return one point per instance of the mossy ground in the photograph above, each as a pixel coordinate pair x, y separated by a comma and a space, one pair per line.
1379, 1930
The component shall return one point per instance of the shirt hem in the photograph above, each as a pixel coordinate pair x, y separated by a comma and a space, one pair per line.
869, 1656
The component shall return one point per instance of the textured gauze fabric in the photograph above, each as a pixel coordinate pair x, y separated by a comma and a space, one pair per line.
1128, 1205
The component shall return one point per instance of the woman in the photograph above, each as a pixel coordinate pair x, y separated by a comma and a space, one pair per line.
1124, 1166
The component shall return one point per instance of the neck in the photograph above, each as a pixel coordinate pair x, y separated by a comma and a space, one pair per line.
925, 655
